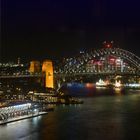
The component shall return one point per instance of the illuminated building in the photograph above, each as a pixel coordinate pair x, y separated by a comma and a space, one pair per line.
117, 84
18, 61
47, 67
101, 83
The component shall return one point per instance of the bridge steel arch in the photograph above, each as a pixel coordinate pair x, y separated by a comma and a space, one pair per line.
76, 65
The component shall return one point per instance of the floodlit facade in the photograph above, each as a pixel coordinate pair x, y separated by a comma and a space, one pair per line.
47, 67
34, 66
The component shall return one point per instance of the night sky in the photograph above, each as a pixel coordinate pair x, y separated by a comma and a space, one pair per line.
40, 29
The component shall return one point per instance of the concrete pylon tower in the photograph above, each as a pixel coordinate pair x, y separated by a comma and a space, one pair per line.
47, 67
34, 66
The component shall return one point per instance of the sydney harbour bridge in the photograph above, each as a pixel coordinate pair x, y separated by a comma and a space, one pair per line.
107, 61
101, 61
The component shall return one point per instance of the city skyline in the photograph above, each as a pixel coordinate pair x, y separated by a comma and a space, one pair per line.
43, 29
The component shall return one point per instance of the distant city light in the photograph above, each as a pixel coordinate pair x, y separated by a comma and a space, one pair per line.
117, 84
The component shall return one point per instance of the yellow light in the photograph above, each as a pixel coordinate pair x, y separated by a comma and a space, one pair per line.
47, 67
34, 66
117, 84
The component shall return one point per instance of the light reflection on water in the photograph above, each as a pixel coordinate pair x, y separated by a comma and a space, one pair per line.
77, 89
99, 118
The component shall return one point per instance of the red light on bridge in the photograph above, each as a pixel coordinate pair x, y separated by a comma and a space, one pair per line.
108, 44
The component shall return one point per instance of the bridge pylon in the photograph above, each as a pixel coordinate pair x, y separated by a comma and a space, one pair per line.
47, 68
34, 66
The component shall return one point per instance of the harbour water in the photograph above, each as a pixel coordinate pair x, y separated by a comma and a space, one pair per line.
113, 117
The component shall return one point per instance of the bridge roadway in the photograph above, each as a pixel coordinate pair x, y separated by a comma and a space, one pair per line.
96, 73
68, 75
21, 76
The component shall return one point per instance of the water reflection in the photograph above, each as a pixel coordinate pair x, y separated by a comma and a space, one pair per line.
77, 89
99, 118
